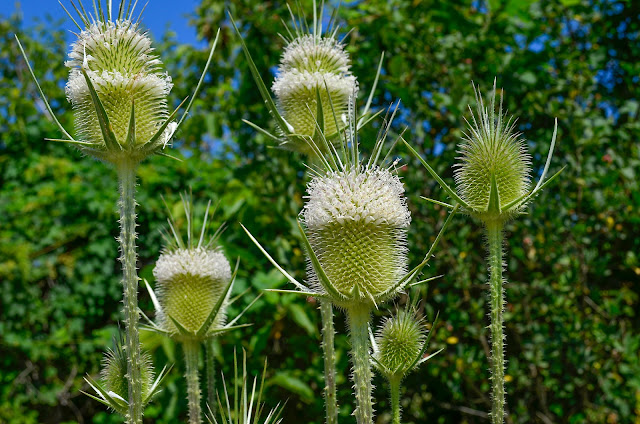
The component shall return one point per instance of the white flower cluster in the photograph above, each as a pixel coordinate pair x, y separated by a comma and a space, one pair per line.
373, 195
199, 262
313, 53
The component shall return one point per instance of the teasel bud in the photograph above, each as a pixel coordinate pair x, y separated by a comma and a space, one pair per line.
314, 68
112, 389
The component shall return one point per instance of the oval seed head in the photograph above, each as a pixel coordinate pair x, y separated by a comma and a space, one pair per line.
399, 341
190, 282
114, 371
126, 74
494, 168
356, 222
312, 64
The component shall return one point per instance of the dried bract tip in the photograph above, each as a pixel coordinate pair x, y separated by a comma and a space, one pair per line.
494, 168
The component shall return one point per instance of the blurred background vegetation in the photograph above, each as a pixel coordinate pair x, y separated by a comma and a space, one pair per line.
572, 321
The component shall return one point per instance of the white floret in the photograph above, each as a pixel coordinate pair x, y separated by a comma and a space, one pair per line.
372, 195
290, 83
314, 53
199, 262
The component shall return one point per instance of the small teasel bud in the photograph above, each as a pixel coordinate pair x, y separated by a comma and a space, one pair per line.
114, 61
311, 66
114, 370
494, 168
356, 221
400, 341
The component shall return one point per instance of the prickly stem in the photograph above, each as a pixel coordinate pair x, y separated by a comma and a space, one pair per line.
191, 350
494, 235
128, 256
394, 382
358, 317
328, 332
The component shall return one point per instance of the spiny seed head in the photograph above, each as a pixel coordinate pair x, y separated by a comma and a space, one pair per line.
494, 166
399, 341
114, 372
190, 282
356, 221
126, 73
312, 64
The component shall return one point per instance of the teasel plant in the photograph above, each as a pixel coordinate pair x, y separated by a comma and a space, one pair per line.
246, 406
194, 281
399, 347
313, 89
354, 227
493, 184
119, 95
112, 389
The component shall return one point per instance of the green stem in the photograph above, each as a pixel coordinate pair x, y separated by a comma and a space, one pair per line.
328, 332
494, 234
358, 317
394, 382
191, 350
128, 257
211, 374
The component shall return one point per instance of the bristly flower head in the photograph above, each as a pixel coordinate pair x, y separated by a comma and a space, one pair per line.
113, 390
493, 173
114, 61
354, 226
116, 87
494, 166
400, 344
193, 282
312, 67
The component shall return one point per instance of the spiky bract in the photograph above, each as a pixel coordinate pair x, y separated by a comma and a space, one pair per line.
190, 283
356, 221
494, 168
312, 65
400, 341
126, 74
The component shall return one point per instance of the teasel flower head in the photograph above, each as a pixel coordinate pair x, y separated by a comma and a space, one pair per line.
493, 173
314, 87
193, 282
117, 87
112, 389
400, 344
354, 226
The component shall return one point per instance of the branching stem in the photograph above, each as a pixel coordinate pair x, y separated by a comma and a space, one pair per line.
128, 257
358, 317
328, 332
494, 235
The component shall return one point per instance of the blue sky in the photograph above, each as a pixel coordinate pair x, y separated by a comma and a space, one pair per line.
158, 15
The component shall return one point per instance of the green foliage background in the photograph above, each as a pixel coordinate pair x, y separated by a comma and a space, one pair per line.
574, 267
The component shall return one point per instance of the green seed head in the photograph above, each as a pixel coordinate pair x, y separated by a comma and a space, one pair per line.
310, 65
190, 283
494, 166
356, 221
126, 74
114, 371
399, 341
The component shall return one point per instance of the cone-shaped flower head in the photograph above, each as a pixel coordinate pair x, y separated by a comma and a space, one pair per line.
494, 168
357, 222
114, 61
399, 344
314, 66
192, 284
